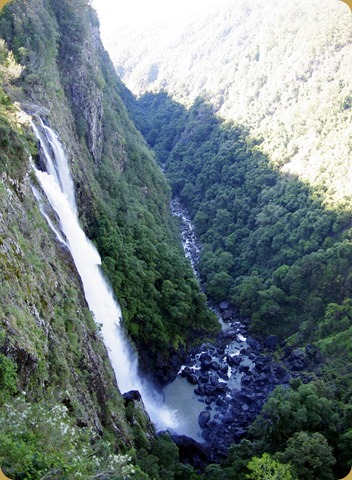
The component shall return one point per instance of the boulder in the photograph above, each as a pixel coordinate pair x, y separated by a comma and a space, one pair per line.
230, 333
272, 341
244, 351
205, 357
247, 398
185, 371
215, 365
200, 390
220, 402
226, 315
233, 360
221, 387
192, 452
209, 389
192, 378
204, 378
224, 306
214, 379
205, 366
204, 418
246, 379
131, 396
254, 343
297, 360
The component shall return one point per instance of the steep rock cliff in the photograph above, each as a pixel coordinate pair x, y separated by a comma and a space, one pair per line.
51, 352
121, 193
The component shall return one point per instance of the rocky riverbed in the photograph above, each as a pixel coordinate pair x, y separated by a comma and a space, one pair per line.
190, 242
231, 378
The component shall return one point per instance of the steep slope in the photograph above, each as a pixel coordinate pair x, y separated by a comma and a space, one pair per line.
269, 190
61, 413
121, 192
50, 347
51, 351
280, 69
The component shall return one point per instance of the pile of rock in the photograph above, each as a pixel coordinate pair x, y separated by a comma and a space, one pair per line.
233, 379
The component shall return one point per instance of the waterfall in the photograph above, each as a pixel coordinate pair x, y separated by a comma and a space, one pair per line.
57, 184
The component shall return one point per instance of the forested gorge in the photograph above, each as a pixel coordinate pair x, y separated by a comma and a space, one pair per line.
268, 240
274, 247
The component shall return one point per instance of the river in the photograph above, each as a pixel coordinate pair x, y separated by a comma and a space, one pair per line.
213, 372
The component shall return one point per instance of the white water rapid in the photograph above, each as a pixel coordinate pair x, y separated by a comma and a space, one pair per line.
58, 187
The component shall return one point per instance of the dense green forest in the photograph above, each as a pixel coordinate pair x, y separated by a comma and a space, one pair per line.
280, 69
274, 247
270, 243
255, 140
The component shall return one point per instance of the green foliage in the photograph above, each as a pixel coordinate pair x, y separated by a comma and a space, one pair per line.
309, 407
161, 462
334, 338
310, 456
41, 441
344, 452
238, 456
161, 302
166, 452
30, 33
49, 342
162, 306
270, 244
122, 195
302, 116
154, 114
15, 141
185, 472
266, 468
280, 251
214, 472
8, 378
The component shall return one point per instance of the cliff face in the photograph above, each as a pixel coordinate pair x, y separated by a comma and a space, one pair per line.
79, 61
51, 352
121, 193
47, 329
50, 346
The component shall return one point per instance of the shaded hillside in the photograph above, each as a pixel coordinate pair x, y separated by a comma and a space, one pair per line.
269, 243
272, 247
281, 69
270, 190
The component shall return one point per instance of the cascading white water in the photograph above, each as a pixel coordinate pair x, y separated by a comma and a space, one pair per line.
58, 187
